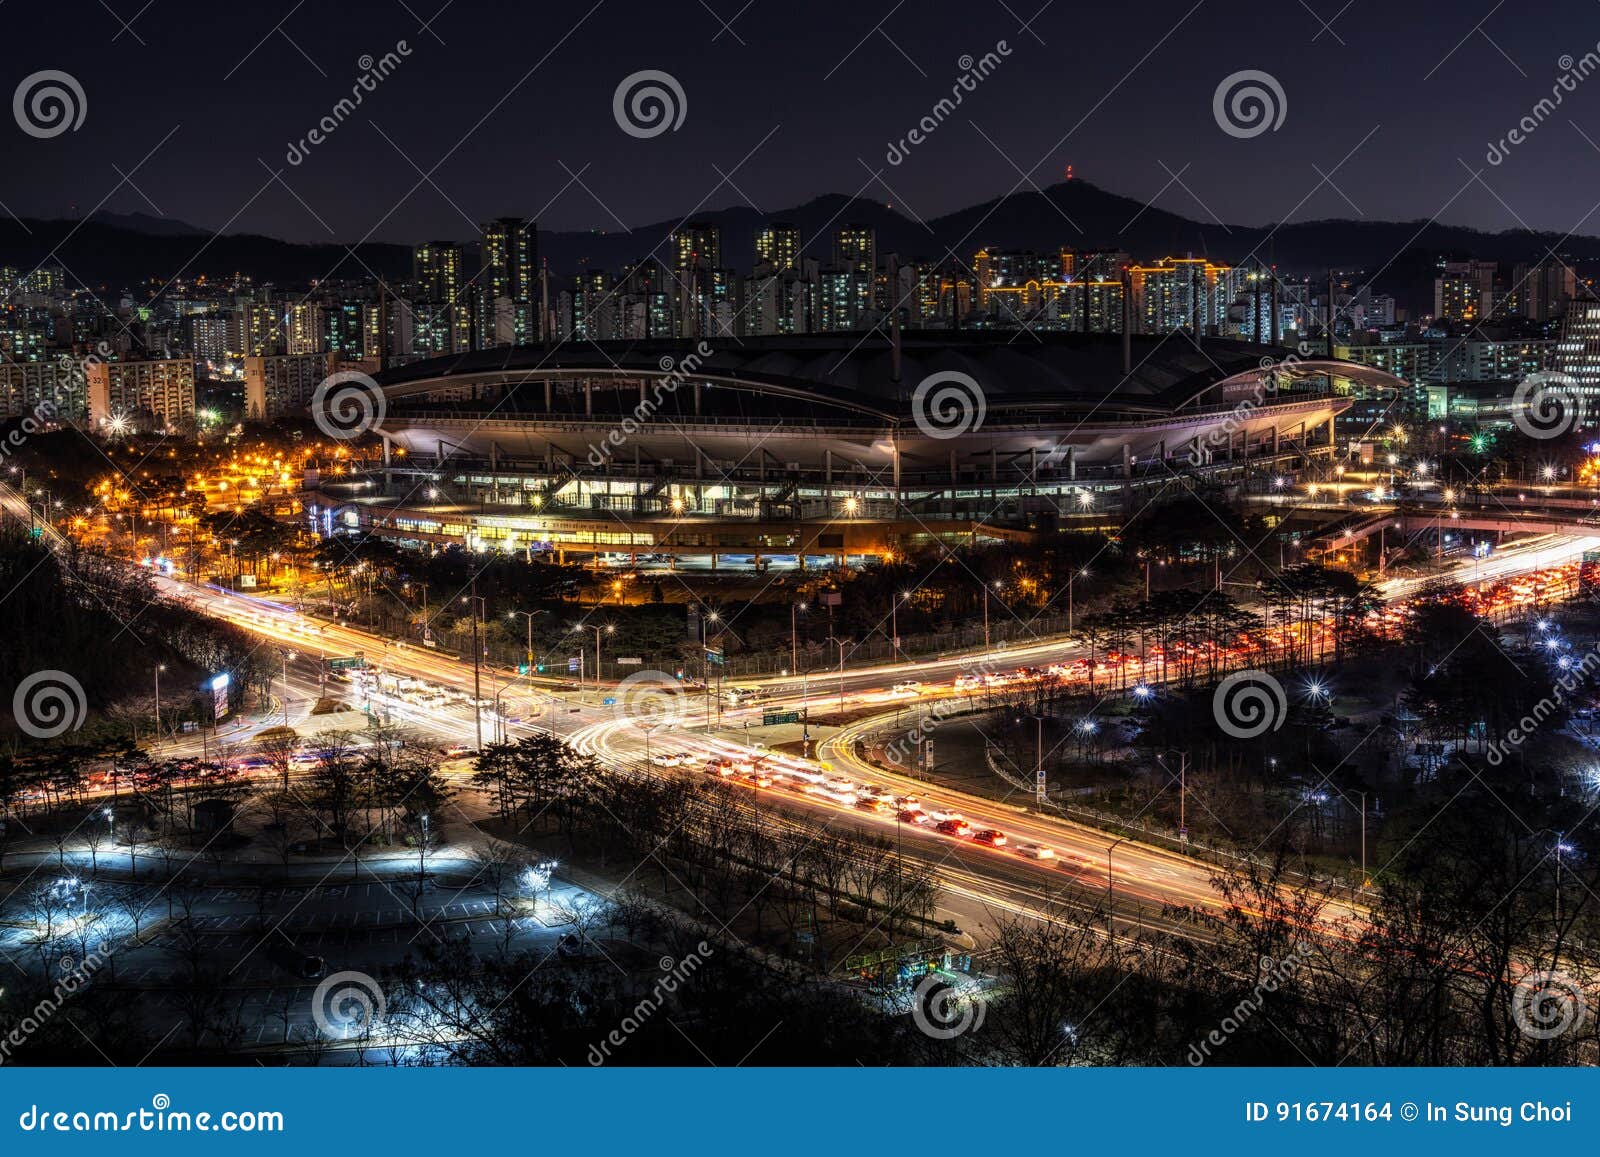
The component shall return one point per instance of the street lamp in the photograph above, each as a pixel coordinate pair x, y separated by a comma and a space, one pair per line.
1111, 899
529, 615
288, 657
794, 636
608, 629
998, 585
478, 606
160, 667
894, 624
1071, 578
843, 643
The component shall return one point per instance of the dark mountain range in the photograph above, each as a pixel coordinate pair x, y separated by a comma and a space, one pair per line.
122, 251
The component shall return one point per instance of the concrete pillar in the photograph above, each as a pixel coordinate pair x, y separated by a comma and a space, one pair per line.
588, 399
1072, 463
549, 396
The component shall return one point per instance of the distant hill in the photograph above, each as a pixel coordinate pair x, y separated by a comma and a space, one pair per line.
125, 250
114, 253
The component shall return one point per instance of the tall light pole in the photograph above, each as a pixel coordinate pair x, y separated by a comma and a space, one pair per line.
705, 663
529, 615
843, 643
1071, 578
476, 602
794, 637
608, 629
160, 667
288, 657
894, 625
1364, 881
1111, 900
1039, 791
997, 587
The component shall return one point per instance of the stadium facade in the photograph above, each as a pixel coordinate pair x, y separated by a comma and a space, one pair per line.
832, 445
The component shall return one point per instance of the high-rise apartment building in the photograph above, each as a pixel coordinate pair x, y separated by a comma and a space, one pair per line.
508, 312
778, 246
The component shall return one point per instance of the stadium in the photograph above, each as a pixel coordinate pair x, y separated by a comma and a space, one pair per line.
840, 446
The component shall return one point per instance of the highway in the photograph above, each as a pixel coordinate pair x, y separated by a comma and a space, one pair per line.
1087, 864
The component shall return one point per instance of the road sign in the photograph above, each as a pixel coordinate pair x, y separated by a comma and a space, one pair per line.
572, 664
628, 661
350, 663
773, 718
715, 655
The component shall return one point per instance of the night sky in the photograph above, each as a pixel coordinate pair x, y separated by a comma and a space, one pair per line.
801, 98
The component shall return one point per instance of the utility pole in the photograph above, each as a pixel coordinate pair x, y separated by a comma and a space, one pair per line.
1364, 880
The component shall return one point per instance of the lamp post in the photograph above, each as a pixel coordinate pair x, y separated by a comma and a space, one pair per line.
794, 636
476, 602
894, 625
997, 586
288, 657
1072, 578
608, 629
843, 643
705, 662
1111, 899
160, 667
529, 615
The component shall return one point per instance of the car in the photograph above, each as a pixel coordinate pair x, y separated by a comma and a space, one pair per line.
667, 759
909, 802
991, 836
759, 780
874, 792
954, 827
457, 749
878, 806
838, 783
1036, 851
907, 687
941, 815
913, 817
